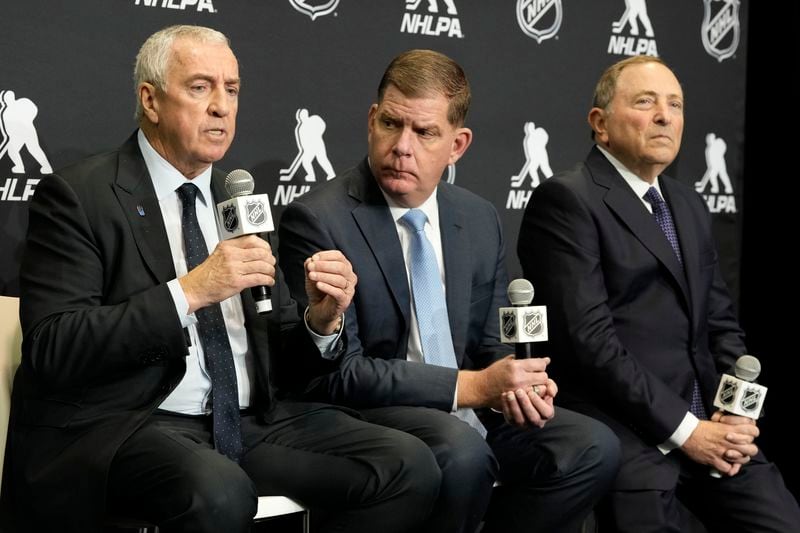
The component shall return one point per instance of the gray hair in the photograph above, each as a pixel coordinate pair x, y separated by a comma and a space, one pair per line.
155, 55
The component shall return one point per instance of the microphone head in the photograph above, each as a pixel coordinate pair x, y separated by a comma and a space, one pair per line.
748, 368
520, 292
239, 183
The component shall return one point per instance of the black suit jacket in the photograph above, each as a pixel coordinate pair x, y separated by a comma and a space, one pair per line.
629, 327
102, 343
350, 214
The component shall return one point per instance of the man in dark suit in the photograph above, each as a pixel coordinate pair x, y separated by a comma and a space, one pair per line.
431, 264
641, 323
145, 387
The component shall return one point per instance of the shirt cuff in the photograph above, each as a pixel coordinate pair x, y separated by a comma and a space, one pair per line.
329, 346
455, 400
681, 435
181, 304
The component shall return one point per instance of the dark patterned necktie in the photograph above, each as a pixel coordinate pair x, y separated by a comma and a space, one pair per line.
430, 305
664, 220
214, 336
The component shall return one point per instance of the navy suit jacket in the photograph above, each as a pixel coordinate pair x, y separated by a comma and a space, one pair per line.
102, 343
630, 328
350, 214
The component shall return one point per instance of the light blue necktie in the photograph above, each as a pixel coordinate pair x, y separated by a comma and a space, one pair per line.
430, 305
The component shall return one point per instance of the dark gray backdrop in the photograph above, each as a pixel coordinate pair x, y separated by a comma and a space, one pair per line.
73, 60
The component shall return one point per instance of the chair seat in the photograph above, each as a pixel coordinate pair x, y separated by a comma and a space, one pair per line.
269, 506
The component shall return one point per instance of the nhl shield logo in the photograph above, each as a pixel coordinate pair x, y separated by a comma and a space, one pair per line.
230, 218
314, 8
509, 324
533, 323
256, 214
751, 399
540, 19
720, 29
728, 393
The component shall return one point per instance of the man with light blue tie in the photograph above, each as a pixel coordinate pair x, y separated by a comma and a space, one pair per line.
424, 354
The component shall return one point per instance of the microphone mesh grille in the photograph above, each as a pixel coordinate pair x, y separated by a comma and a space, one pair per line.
520, 292
748, 368
239, 183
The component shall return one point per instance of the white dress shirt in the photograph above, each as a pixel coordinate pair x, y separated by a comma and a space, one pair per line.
191, 396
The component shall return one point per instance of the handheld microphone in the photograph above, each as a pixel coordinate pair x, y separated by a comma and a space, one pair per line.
741, 395
522, 324
246, 214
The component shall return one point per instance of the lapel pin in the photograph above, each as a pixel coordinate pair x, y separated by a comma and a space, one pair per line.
140, 210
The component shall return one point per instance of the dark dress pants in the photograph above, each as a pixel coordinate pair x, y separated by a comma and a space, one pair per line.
756, 499
354, 476
551, 477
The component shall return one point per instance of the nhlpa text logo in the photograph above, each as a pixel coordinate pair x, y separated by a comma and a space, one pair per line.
720, 29
540, 19
536, 159
716, 174
434, 21
17, 132
310, 147
314, 9
183, 5
632, 44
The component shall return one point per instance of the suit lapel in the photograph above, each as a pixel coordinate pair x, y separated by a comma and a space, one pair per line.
684, 224
375, 222
137, 197
456, 249
621, 199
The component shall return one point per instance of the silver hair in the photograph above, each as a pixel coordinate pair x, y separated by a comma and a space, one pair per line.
155, 55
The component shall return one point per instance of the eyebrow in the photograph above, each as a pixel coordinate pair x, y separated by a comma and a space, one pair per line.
210, 78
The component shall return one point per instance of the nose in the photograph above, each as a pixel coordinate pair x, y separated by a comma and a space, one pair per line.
403, 144
662, 114
219, 105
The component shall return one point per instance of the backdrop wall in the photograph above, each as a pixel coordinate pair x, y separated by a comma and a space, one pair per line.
67, 92
310, 69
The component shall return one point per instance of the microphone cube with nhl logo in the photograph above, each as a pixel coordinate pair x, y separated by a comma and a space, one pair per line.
740, 397
244, 215
523, 324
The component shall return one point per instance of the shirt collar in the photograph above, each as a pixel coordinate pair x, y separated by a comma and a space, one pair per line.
430, 207
639, 186
166, 178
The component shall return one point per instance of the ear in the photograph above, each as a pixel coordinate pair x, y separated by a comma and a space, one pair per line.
460, 144
597, 121
373, 110
147, 97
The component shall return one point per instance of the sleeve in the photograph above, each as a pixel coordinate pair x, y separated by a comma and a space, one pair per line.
725, 336
73, 334
357, 378
559, 248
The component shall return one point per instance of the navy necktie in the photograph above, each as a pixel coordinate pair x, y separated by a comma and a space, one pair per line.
664, 220
430, 305
214, 336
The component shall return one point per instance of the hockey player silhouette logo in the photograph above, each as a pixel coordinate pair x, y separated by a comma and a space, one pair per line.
536, 158
634, 9
716, 169
310, 146
433, 6
17, 132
